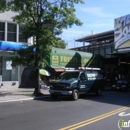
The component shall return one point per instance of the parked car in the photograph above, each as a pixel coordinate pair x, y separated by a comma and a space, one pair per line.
121, 84
74, 83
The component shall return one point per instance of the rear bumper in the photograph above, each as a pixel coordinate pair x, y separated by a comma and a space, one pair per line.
60, 92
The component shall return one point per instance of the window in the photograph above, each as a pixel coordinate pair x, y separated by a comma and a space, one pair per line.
11, 32
82, 77
21, 39
2, 30
2, 35
2, 26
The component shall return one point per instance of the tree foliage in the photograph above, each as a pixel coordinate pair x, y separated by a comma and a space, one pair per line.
3, 6
60, 44
44, 20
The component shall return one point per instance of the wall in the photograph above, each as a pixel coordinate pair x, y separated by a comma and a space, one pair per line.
7, 16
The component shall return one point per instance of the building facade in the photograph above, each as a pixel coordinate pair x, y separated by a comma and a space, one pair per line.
10, 32
116, 63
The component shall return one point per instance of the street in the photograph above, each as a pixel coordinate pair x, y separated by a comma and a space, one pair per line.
88, 112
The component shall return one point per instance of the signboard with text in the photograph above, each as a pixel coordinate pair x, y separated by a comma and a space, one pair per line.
61, 58
122, 32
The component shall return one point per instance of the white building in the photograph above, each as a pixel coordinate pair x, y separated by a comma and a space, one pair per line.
10, 32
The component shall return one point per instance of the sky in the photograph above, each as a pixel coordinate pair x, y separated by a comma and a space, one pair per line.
97, 16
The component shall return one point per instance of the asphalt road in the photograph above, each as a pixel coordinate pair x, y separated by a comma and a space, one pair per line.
88, 113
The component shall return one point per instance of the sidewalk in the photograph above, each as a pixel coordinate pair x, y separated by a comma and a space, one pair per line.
19, 94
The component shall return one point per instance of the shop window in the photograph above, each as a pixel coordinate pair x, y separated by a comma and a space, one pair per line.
11, 29
9, 73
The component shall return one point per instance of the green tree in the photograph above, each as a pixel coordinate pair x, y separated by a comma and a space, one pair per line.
44, 20
3, 6
60, 44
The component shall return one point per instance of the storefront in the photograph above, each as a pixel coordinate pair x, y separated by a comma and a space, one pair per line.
10, 38
8, 74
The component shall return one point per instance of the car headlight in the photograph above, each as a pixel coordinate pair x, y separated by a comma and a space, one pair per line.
69, 87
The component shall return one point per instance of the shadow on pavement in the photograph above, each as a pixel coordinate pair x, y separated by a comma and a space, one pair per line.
3, 94
109, 97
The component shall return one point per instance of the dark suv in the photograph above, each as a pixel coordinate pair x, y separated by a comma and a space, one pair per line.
77, 82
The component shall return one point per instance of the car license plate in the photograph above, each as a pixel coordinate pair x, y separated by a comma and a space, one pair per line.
117, 87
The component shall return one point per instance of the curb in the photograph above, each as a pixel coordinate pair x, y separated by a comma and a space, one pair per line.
24, 99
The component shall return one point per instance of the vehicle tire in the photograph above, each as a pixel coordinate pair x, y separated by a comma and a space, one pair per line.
54, 96
75, 94
99, 92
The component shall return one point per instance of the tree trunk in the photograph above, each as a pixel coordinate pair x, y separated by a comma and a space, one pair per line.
37, 91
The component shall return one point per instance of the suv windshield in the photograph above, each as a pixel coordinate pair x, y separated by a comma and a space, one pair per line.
69, 76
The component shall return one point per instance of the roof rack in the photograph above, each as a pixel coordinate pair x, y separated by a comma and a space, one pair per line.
88, 68
70, 69
81, 68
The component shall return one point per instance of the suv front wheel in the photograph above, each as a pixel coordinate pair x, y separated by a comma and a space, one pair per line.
75, 94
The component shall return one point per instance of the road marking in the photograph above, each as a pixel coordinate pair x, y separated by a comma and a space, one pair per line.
92, 120
124, 114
